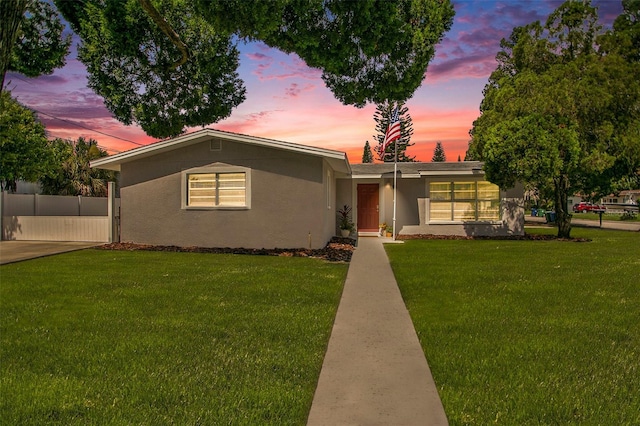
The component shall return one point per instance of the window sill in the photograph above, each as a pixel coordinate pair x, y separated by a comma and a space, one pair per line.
216, 208
470, 222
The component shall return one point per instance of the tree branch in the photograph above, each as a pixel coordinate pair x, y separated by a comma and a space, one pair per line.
12, 12
168, 30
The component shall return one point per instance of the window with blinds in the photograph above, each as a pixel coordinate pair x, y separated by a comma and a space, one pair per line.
217, 189
464, 201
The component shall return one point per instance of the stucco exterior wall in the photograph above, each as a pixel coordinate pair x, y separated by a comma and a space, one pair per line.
288, 209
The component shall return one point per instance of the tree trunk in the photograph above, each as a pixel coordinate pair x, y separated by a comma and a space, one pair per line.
563, 216
12, 12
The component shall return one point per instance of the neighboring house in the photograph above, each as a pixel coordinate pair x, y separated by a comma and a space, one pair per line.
624, 197
219, 189
624, 201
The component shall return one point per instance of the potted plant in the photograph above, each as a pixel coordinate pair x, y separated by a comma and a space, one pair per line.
389, 230
344, 221
383, 229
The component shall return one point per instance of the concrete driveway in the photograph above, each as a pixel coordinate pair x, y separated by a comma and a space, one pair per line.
16, 251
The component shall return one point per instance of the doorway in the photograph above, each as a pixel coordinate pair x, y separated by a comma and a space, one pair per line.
368, 207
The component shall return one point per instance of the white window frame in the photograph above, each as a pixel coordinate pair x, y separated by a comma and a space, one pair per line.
451, 201
215, 170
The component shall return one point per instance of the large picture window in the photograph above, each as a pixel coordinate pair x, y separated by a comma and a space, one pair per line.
209, 188
464, 201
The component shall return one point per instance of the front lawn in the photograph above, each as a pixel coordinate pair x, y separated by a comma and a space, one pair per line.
606, 216
117, 337
529, 332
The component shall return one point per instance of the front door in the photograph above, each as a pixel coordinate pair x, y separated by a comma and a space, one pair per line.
368, 208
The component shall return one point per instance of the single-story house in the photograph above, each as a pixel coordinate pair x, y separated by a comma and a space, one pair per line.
212, 188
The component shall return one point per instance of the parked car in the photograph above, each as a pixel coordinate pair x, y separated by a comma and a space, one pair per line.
587, 207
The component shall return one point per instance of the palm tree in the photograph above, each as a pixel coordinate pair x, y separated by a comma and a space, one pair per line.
74, 176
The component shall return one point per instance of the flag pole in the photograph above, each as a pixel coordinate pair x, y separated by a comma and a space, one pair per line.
395, 183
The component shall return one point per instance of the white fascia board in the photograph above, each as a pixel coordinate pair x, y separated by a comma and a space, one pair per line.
451, 172
288, 146
370, 176
113, 162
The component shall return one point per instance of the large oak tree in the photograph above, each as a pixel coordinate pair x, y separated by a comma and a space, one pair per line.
31, 38
170, 64
562, 110
24, 151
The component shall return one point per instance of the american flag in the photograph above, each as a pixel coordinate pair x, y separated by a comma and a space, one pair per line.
393, 131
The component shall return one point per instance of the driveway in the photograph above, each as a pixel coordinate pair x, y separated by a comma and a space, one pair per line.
15, 251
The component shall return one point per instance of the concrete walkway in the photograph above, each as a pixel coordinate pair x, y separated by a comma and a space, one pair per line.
16, 251
374, 371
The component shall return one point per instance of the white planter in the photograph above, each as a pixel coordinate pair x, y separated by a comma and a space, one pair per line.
345, 232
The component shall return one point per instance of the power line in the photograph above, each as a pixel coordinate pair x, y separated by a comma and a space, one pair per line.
88, 128
80, 125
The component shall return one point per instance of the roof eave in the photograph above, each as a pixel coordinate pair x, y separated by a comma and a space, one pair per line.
340, 161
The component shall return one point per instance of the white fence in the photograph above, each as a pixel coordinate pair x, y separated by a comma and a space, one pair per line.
59, 218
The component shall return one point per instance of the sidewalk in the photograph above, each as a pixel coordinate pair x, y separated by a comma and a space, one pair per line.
374, 371
586, 223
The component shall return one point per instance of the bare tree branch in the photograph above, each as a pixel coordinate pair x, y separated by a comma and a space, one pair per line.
168, 30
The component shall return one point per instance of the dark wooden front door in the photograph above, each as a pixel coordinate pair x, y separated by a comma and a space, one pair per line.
368, 207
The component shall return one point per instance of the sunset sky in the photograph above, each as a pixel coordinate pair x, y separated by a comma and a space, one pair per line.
286, 100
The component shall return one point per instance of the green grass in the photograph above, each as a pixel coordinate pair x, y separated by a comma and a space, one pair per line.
611, 217
529, 332
114, 337
616, 217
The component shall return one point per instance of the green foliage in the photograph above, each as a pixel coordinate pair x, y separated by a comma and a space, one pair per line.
32, 41
551, 339
625, 39
24, 151
41, 46
368, 51
130, 63
367, 155
438, 154
628, 215
561, 112
344, 218
72, 174
121, 337
382, 117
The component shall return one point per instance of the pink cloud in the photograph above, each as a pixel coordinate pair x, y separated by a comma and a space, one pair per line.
268, 68
294, 90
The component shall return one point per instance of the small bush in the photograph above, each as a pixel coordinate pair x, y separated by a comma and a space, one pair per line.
628, 215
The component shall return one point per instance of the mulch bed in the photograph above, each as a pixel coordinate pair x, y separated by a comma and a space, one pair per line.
525, 237
337, 250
